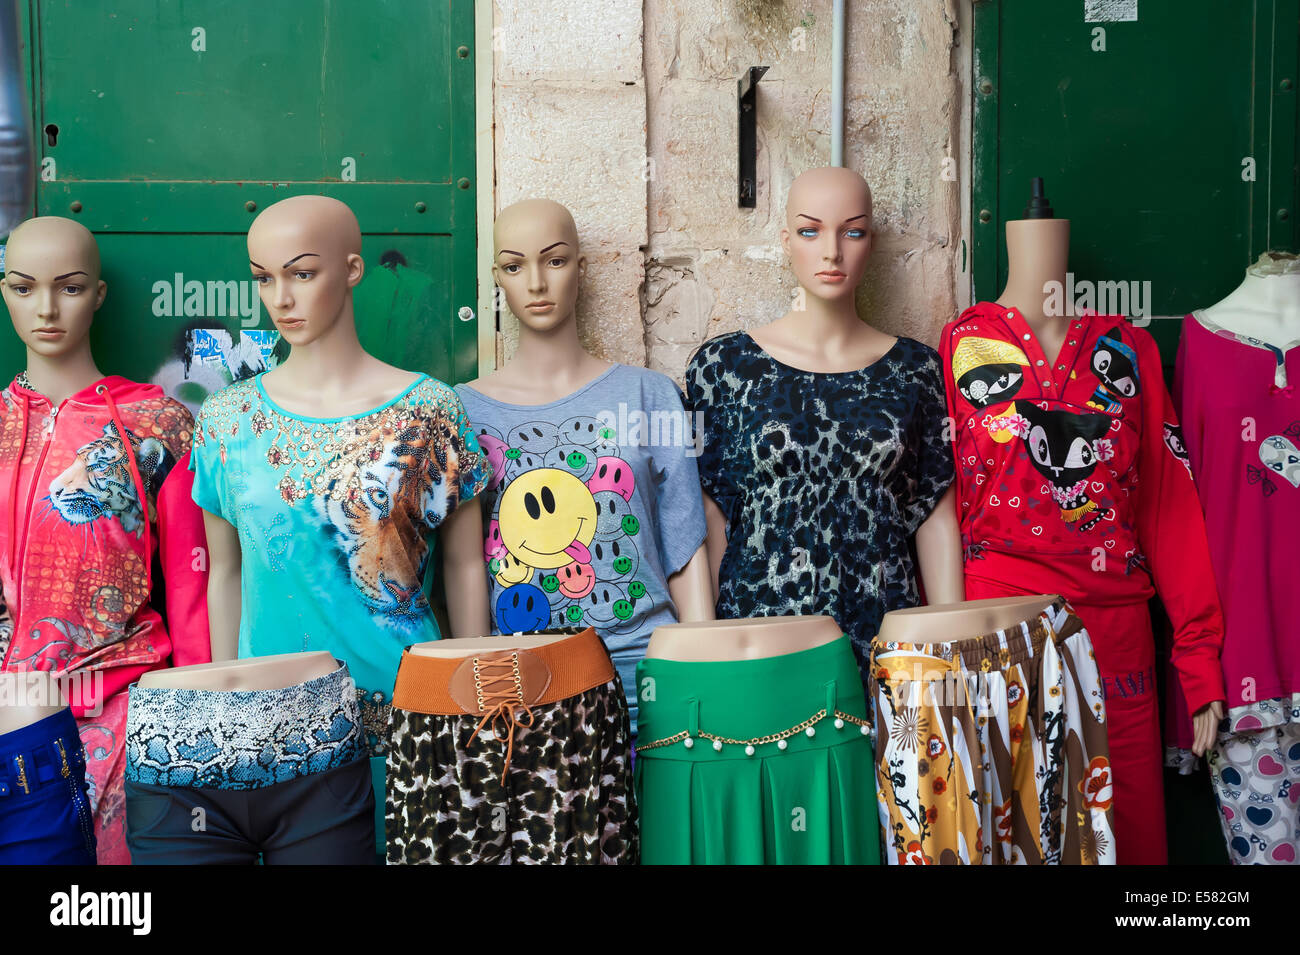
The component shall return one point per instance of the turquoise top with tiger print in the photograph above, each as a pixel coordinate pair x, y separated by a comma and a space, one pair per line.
334, 518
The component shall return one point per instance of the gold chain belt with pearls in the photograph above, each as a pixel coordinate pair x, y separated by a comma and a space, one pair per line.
807, 727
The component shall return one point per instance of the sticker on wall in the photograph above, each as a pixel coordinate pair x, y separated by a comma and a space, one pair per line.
214, 346
1110, 11
208, 359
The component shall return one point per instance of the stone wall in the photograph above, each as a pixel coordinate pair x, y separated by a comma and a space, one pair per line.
626, 112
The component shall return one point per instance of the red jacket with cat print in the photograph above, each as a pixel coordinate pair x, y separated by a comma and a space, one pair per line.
81, 522
1072, 477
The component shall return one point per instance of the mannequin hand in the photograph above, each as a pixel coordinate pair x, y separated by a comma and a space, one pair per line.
1205, 725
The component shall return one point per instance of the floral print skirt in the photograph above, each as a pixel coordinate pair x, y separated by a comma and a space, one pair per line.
992, 750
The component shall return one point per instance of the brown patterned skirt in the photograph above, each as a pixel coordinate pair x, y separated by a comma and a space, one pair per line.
992, 750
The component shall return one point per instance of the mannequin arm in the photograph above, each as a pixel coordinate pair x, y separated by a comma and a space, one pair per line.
1205, 727
715, 541
691, 588
938, 551
463, 577
224, 601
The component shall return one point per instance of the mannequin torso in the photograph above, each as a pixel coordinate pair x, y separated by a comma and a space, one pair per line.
374, 385
548, 371
935, 624
26, 698
467, 646
546, 376
832, 349
298, 390
1266, 306
253, 673
1037, 250
751, 639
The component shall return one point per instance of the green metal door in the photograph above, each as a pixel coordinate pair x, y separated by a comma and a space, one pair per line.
164, 128
1167, 135
1166, 132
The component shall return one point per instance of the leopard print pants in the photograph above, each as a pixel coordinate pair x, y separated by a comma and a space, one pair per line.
567, 797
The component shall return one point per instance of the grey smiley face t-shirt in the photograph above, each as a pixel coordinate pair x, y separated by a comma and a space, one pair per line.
593, 503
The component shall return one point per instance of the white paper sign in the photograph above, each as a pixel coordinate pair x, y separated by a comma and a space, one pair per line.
1110, 11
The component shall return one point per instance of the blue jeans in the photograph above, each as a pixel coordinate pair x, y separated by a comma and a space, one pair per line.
45, 814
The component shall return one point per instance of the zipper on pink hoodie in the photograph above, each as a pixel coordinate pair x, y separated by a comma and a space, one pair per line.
77, 541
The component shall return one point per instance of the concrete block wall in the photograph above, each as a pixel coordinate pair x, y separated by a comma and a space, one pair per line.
626, 112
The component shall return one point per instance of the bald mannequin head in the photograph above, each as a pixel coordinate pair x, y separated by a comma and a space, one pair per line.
305, 254
836, 183
827, 230
49, 235
537, 263
533, 215
52, 286
327, 222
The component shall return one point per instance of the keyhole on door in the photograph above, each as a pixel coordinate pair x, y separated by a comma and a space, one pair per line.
52, 134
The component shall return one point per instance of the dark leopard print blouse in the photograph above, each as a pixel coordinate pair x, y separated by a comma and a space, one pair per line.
823, 479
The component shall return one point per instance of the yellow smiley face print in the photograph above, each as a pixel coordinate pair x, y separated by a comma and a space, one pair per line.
547, 518
510, 570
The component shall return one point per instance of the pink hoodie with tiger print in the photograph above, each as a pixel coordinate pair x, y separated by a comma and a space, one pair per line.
93, 544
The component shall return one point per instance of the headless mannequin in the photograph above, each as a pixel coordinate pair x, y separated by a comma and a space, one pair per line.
467, 646
27, 698
827, 237
538, 265
252, 673
305, 254
1266, 305
752, 639
1037, 253
936, 624
759, 637
52, 289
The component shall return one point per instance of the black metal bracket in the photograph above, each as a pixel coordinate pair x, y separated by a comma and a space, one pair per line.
747, 98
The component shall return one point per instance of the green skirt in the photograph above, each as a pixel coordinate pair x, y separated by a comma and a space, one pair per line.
727, 771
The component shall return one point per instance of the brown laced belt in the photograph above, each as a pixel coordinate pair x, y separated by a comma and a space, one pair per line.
503, 687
